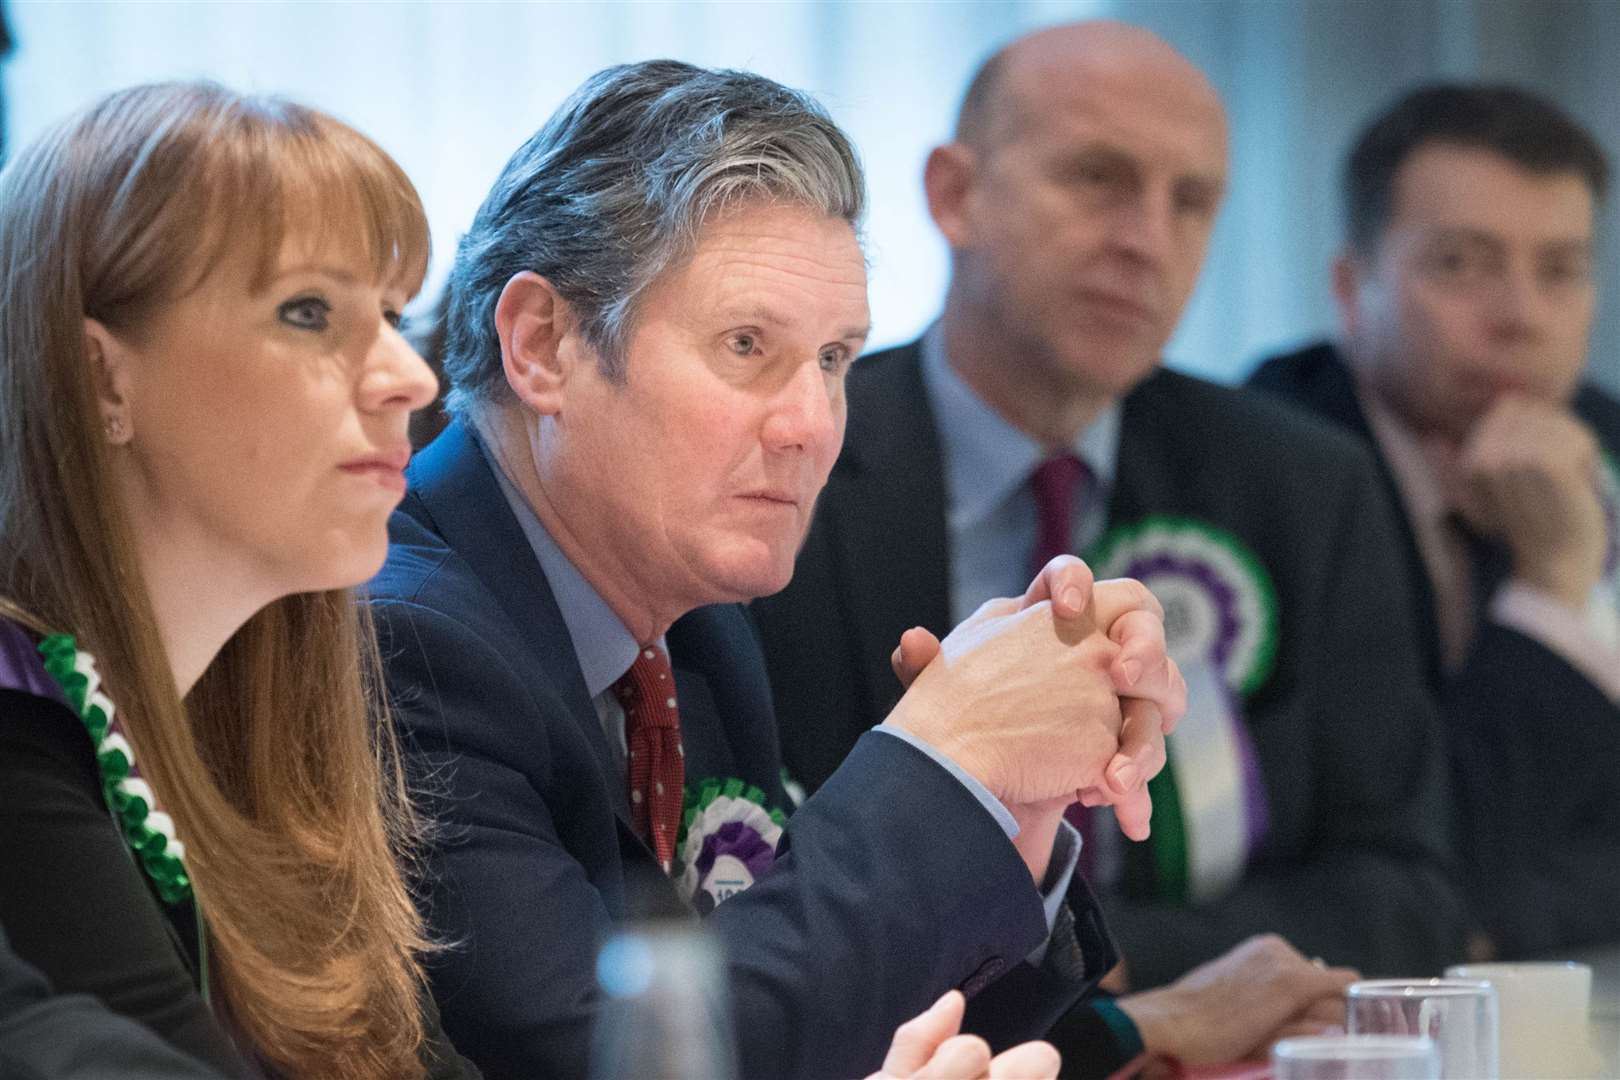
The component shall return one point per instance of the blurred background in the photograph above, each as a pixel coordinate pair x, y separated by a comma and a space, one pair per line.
452, 88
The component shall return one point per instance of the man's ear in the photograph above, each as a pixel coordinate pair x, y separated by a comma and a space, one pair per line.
541, 344
948, 181
1348, 280
112, 373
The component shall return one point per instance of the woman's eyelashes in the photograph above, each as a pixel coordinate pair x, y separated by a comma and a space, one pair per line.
306, 313
316, 313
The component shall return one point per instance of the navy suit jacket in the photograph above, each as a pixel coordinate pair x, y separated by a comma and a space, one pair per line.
1534, 745
863, 920
1356, 865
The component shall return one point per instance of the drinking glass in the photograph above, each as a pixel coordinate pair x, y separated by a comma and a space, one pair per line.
665, 1011
1460, 1015
1356, 1057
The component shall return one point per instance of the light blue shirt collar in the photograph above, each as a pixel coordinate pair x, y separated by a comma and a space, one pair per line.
987, 458
604, 648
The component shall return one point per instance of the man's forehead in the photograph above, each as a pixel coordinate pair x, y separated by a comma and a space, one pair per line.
1445, 187
1147, 106
779, 265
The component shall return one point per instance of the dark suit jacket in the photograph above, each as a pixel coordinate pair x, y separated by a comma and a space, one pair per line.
861, 923
1535, 746
1355, 867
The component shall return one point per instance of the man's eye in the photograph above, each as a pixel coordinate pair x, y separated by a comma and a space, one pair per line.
742, 344
306, 313
394, 319
833, 360
1566, 273
1457, 264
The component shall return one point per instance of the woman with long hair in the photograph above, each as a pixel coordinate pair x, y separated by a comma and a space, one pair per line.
203, 407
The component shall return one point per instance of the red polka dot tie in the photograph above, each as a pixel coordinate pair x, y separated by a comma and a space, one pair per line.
653, 733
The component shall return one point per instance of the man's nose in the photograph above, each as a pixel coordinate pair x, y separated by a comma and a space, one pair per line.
802, 412
1518, 306
1143, 226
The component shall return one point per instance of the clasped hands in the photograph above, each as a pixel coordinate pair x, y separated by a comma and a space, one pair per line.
1065, 694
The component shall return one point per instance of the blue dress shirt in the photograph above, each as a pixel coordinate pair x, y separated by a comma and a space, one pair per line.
989, 507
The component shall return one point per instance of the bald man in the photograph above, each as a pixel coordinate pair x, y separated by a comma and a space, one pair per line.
1306, 792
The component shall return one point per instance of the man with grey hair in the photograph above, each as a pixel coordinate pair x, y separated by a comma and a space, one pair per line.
650, 321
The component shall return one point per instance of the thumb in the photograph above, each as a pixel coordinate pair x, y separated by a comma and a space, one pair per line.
1030, 1061
916, 651
916, 1040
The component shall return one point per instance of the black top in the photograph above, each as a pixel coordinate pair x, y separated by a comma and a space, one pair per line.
77, 908
46, 1036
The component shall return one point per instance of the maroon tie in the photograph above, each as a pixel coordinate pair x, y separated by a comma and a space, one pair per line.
1056, 484
653, 732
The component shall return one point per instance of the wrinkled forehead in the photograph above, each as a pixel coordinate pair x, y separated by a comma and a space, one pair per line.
792, 269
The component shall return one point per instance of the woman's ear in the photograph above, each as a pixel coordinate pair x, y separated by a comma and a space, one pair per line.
111, 373
541, 346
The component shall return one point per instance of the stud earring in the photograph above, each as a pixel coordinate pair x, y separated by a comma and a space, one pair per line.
114, 426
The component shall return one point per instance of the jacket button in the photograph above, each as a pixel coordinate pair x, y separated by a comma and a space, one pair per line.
984, 976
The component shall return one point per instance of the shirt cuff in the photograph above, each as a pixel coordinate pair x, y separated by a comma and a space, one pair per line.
1059, 873
992, 805
1587, 639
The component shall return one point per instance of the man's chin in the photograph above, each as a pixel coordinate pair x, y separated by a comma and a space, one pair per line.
746, 575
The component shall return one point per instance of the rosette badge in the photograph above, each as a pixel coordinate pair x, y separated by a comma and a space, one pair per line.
728, 839
146, 828
1210, 815
1219, 602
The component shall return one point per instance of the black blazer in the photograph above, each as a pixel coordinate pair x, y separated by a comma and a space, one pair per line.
861, 923
48, 1036
1535, 746
77, 908
1355, 867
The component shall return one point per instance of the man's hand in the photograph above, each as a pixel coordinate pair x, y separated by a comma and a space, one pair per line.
1237, 1005
1529, 470
929, 1048
1154, 695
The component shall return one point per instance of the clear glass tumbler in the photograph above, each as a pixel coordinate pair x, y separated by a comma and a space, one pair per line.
1460, 1015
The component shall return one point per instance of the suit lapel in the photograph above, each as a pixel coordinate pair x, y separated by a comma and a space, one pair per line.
886, 516
1326, 385
455, 492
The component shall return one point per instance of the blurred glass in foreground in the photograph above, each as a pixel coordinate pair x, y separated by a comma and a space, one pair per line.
1356, 1057
665, 1009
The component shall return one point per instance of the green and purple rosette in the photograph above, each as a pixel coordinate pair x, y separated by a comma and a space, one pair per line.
1210, 814
728, 839
148, 831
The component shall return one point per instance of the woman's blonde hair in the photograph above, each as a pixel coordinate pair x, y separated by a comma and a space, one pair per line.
282, 782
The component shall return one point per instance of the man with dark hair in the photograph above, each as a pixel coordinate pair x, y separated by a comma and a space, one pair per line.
1306, 790
1466, 293
650, 321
